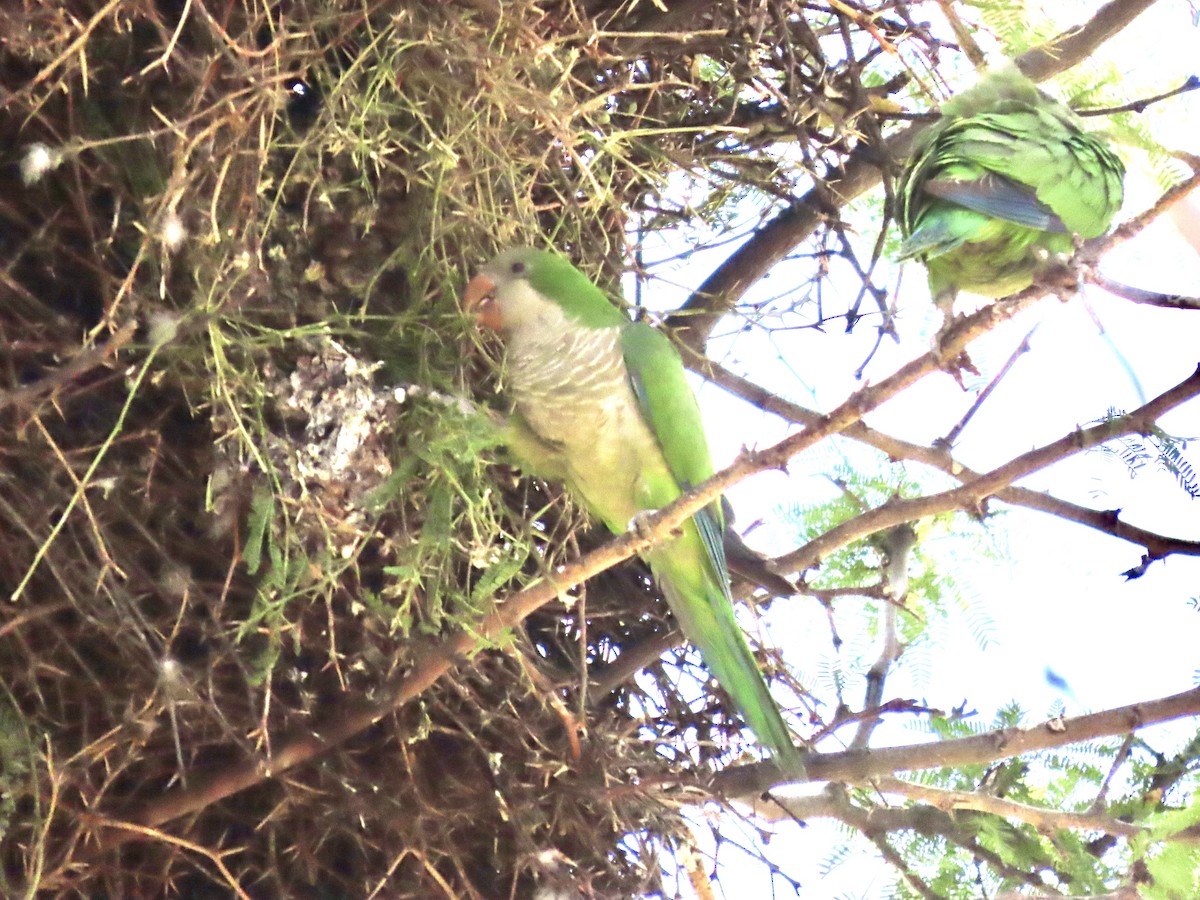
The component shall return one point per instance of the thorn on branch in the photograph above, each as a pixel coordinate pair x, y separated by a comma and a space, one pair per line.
1140, 569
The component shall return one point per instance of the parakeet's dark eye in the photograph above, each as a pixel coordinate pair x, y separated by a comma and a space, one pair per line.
517, 268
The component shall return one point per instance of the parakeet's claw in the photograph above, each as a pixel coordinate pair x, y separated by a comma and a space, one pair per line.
640, 524
1083, 266
1062, 273
953, 365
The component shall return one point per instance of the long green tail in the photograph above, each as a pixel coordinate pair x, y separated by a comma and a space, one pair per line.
704, 609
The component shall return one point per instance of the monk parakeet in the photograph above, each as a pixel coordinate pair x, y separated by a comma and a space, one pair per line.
1000, 183
602, 404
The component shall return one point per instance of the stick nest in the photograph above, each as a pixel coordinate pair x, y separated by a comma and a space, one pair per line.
244, 484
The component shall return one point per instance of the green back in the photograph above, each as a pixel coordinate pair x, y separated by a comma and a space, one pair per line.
1054, 175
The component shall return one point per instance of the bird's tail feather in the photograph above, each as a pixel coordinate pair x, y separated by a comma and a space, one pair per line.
704, 610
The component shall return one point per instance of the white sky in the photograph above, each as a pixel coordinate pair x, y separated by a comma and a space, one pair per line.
1061, 602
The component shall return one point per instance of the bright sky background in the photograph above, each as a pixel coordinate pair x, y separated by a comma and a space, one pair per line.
1062, 602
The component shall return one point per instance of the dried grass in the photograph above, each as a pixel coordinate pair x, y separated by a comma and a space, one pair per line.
220, 521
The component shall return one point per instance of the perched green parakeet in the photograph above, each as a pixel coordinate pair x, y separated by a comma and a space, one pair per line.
1000, 183
602, 404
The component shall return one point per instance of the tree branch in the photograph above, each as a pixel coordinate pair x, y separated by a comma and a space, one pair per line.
747, 783
972, 493
1106, 521
877, 822
1042, 819
1141, 295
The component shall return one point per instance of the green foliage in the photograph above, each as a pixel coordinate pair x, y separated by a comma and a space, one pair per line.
258, 525
1005, 854
444, 474
1158, 448
947, 546
1175, 871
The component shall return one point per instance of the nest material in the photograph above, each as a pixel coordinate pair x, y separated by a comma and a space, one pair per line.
230, 233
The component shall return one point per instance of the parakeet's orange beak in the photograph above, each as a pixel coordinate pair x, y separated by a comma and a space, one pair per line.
480, 299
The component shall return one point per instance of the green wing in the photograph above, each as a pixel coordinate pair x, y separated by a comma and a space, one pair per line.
670, 409
1030, 167
692, 568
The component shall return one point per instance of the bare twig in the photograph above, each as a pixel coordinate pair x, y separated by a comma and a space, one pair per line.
1191, 84
1022, 348
1140, 295
82, 362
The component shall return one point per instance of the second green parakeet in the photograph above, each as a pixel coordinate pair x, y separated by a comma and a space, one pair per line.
1000, 183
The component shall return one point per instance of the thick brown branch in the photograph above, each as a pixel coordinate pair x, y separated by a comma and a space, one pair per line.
1157, 546
861, 766
1076, 44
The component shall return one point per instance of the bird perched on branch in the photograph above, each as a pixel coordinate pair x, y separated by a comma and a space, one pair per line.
602, 404
999, 184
